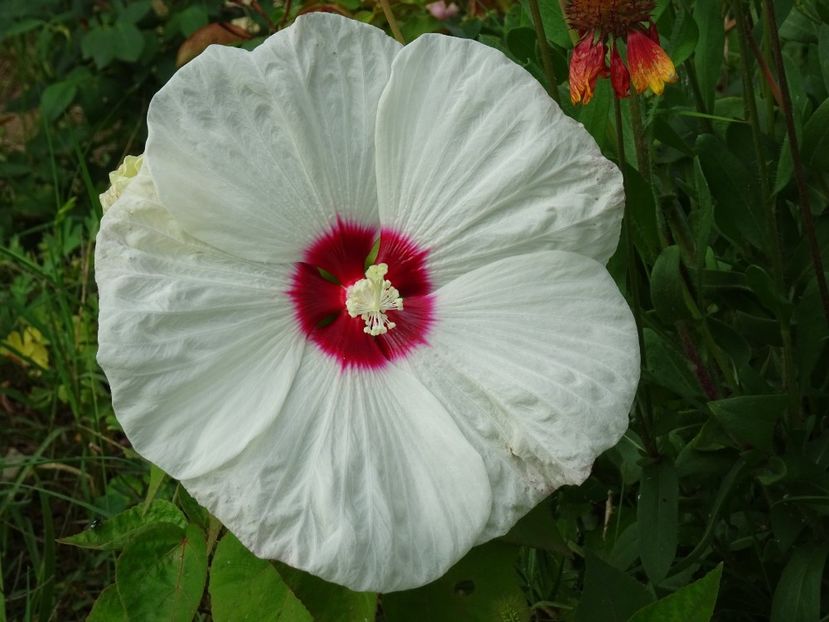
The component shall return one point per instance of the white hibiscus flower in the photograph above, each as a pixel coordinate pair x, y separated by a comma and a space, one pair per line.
366, 425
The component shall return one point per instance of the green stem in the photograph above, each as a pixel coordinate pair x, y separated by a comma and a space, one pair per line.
395, 29
633, 291
643, 159
698, 98
772, 233
799, 173
546, 52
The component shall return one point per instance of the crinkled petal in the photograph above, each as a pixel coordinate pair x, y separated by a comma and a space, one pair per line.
258, 152
199, 347
363, 479
536, 357
477, 163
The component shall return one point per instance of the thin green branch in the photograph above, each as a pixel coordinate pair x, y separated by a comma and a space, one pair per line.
799, 172
544, 49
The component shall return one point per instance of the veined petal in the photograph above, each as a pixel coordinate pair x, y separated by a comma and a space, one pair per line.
650, 66
257, 152
536, 357
363, 479
199, 347
477, 163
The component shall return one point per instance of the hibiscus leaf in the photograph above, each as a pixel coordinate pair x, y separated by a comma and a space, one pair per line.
108, 607
118, 531
692, 603
161, 574
244, 587
482, 587
326, 601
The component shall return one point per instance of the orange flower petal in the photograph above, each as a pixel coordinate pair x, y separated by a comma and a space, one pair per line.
586, 66
649, 65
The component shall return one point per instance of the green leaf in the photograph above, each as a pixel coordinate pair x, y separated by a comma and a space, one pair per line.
99, 45
657, 516
738, 215
161, 574
107, 607
246, 588
482, 587
328, 602
692, 603
797, 595
129, 42
823, 52
538, 530
667, 366
683, 38
709, 51
595, 115
667, 292
815, 149
118, 531
56, 98
750, 419
639, 197
134, 11
703, 215
555, 26
609, 595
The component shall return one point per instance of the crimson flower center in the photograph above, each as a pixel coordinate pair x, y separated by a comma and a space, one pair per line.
363, 310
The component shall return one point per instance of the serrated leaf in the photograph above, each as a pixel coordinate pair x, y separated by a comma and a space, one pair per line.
609, 594
161, 574
692, 603
482, 587
657, 516
797, 595
107, 607
244, 588
116, 532
750, 419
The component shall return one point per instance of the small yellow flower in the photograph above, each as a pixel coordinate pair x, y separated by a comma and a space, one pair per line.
29, 343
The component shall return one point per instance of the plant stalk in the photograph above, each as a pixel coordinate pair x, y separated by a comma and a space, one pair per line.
544, 49
395, 29
799, 172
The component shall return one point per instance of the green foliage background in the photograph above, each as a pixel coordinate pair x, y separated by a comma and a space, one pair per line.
718, 493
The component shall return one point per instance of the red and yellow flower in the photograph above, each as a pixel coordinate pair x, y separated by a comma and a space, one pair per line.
601, 24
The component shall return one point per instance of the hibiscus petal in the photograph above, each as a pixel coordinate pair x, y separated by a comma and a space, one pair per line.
199, 347
536, 356
363, 479
258, 152
476, 162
